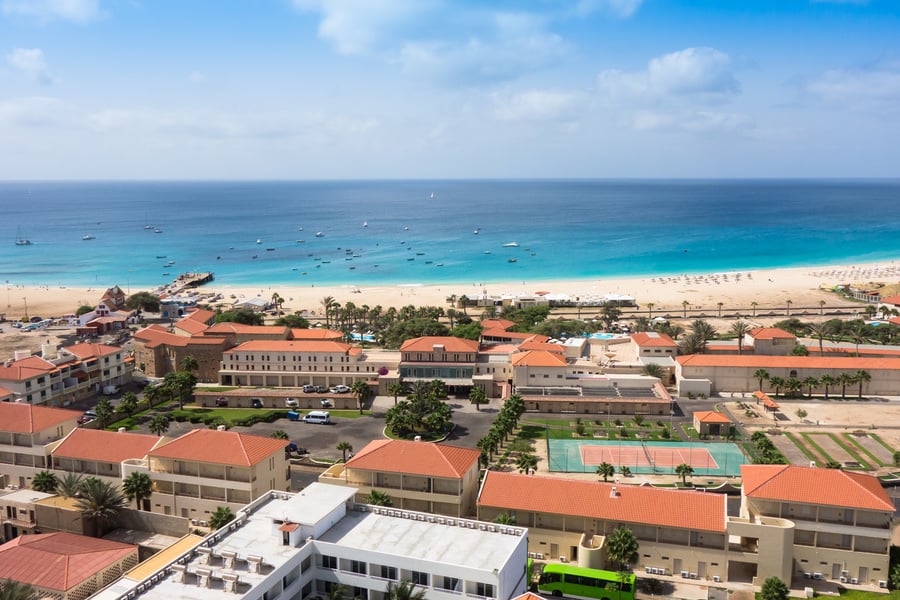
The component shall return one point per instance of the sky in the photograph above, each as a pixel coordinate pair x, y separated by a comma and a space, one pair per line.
440, 89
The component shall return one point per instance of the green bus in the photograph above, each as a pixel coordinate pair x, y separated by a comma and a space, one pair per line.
591, 584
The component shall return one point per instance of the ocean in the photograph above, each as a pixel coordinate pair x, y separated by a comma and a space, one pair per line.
420, 232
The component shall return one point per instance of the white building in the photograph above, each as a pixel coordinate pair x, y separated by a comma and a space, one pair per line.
300, 545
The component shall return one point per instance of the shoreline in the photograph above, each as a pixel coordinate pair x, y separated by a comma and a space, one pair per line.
802, 286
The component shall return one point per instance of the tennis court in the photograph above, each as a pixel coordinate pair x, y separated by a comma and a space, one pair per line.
577, 456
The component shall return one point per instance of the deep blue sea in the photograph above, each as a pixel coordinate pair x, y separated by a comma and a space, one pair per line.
424, 231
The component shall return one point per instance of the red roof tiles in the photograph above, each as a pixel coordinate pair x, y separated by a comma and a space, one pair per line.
503, 324
756, 361
653, 340
291, 346
631, 504
711, 416
220, 447
450, 344
105, 446
86, 350
809, 485
771, 333
537, 358
316, 333
415, 458
25, 418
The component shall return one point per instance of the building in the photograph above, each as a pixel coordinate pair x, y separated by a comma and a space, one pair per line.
158, 351
207, 468
450, 359
65, 566
770, 341
100, 453
28, 434
708, 373
284, 546
841, 520
711, 422
17, 513
422, 476
651, 344
238, 333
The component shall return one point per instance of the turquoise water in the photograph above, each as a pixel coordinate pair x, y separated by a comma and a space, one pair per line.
395, 232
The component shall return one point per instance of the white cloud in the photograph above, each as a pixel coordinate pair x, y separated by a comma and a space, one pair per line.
621, 9
36, 111
76, 11
858, 89
537, 105
694, 122
701, 73
30, 61
358, 26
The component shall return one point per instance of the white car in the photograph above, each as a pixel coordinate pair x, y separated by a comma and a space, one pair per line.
291, 403
340, 389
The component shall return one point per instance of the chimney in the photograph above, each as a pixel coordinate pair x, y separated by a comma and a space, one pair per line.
613, 493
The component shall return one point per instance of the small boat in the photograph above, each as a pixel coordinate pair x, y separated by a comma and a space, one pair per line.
148, 226
301, 241
375, 265
160, 256
295, 269
259, 241
477, 231
320, 234
21, 241
325, 262
299, 229
420, 254
357, 256
511, 260
254, 257
270, 249
428, 262
88, 237
365, 223
432, 194
352, 268
511, 245
303, 273
166, 274
157, 230
411, 258
439, 265
487, 251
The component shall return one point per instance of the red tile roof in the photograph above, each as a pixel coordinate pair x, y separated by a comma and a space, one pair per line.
450, 344
5, 393
316, 333
771, 333
191, 326
532, 345
537, 358
766, 400
86, 350
810, 485
105, 446
632, 504
756, 361
711, 416
58, 561
157, 335
891, 300
25, 369
415, 458
291, 346
220, 447
200, 315
653, 339
25, 418
239, 328
496, 324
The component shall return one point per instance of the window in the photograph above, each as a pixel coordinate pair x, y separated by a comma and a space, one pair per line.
389, 572
419, 578
358, 566
484, 589
329, 562
451, 583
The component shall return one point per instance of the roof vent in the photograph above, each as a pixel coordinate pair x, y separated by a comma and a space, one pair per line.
418, 438
220, 428
812, 463
613, 493
122, 430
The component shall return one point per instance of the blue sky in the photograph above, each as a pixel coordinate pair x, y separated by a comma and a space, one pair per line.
359, 89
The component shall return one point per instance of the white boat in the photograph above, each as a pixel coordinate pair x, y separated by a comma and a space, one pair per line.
259, 241
511, 245
88, 237
148, 226
320, 234
406, 229
511, 260
157, 230
21, 241
487, 251
365, 223
432, 194
476, 231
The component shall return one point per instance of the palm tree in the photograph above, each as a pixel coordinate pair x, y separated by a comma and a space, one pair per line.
625, 471
777, 383
345, 447
862, 377
684, 470
606, 470
885, 312
138, 487
761, 375
159, 424
827, 381
820, 331
220, 518
822, 307
684, 306
650, 306
128, 404
653, 370
810, 383
189, 364
622, 547
361, 389
788, 304
740, 329
277, 300
70, 485
100, 503
44, 481
153, 394
377, 498
477, 397
753, 305
526, 462
403, 590
859, 335
104, 410
327, 304
14, 590
845, 379
505, 519
395, 390
280, 434
719, 305
793, 385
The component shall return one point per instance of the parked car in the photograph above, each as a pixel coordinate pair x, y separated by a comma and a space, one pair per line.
321, 389
85, 419
309, 389
221, 401
256, 402
291, 403
340, 389
90, 413
325, 402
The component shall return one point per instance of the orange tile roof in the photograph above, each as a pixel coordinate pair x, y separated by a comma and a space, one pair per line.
105, 446
767, 402
496, 324
291, 346
58, 561
316, 333
240, 328
634, 504
653, 339
415, 458
894, 320
811, 485
499, 349
220, 447
711, 416
4, 393
157, 335
85, 350
25, 418
532, 345
191, 326
771, 333
537, 358
756, 361
25, 369
450, 344
201, 315
891, 300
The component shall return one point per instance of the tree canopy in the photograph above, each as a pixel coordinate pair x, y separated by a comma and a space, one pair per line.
774, 588
622, 547
422, 412
244, 316
143, 301
293, 321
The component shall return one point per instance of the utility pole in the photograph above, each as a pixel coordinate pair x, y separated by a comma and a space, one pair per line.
25, 299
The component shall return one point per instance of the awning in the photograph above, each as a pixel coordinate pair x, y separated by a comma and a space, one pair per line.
289, 527
767, 402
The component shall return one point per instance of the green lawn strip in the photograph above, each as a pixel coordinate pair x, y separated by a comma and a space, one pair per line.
818, 448
878, 439
857, 446
861, 595
846, 447
796, 441
689, 431
203, 388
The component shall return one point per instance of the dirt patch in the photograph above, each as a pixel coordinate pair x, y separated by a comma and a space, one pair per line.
876, 449
832, 448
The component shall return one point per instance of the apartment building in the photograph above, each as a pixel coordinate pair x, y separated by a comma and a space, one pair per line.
28, 434
841, 519
421, 476
285, 546
17, 513
100, 453
206, 468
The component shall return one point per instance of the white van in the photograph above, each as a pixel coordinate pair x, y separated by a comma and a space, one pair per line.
321, 417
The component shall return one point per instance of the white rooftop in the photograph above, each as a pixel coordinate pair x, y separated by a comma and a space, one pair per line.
25, 496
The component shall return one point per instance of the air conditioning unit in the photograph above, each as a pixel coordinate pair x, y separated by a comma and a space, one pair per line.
693, 576
845, 573
685, 574
843, 579
807, 576
818, 576
648, 570
717, 579
854, 580
882, 583
562, 559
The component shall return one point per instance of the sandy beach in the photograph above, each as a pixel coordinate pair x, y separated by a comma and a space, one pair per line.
802, 286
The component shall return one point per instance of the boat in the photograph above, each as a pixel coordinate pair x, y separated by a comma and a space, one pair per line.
420, 254
428, 262
88, 237
301, 241
325, 262
365, 223
21, 241
511, 245
254, 257
476, 232
487, 251
432, 194
411, 258
511, 260
270, 249
160, 256
148, 226
439, 265
259, 241
157, 230
320, 234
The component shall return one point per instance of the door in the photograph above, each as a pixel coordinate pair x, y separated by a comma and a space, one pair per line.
835, 570
701, 570
676, 567
863, 575
554, 550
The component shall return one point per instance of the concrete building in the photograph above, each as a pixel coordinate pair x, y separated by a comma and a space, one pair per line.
65, 566
285, 546
158, 351
449, 359
710, 422
770, 341
17, 513
28, 434
100, 453
422, 476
